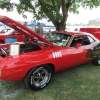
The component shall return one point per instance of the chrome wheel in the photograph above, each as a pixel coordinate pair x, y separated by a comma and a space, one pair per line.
39, 77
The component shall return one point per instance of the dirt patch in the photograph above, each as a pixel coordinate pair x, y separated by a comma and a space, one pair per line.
10, 95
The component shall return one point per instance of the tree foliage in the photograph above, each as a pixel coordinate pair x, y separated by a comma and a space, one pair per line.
55, 11
6, 4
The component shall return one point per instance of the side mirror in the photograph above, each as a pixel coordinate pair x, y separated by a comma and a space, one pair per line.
78, 45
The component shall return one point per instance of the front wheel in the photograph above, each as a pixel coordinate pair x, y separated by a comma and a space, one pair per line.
38, 77
96, 61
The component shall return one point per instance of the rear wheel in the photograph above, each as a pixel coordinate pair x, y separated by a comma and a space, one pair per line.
38, 77
96, 61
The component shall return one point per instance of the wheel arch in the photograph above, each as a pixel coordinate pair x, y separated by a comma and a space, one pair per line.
49, 64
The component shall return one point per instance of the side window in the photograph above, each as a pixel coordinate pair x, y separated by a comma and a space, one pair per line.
82, 39
91, 39
77, 39
88, 40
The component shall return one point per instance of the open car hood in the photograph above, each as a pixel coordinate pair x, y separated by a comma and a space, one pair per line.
22, 29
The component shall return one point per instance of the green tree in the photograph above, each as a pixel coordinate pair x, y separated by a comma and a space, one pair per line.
55, 11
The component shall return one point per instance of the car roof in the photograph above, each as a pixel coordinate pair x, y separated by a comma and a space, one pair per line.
73, 33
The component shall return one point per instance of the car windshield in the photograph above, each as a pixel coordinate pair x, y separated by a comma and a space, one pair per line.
59, 39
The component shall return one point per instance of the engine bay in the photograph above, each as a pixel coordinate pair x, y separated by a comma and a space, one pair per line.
23, 49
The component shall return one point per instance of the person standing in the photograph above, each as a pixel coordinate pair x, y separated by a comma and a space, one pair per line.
25, 24
33, 28
39, 29
25, 37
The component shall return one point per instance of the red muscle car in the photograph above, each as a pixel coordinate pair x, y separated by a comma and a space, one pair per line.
36, 61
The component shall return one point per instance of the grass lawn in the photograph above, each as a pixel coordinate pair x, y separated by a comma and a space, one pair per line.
78, 83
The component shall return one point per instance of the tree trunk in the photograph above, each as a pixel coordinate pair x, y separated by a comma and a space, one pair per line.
61, 25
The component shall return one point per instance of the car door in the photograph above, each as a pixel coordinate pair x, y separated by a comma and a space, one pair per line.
67, 57
73, 56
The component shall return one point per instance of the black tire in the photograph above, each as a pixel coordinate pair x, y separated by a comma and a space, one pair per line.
96, 61
38, 77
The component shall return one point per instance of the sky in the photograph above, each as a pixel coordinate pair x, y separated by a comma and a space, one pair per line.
83, 17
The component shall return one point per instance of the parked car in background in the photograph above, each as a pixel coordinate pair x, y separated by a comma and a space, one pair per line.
35, 62
9, 35
4, 29
93, 31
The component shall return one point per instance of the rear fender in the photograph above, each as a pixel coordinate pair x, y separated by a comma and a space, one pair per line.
94, 51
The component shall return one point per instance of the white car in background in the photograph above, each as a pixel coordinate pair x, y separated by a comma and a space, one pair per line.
4, 29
